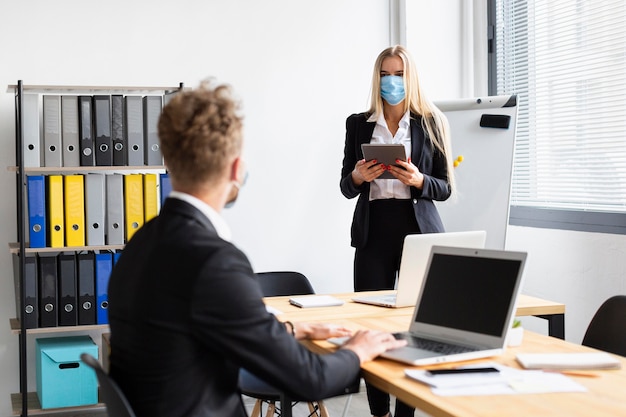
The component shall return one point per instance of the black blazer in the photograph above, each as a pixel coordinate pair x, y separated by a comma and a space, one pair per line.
186, 313
429, 161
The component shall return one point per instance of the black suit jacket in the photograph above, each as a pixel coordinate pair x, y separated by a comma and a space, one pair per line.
186, 313
428, 160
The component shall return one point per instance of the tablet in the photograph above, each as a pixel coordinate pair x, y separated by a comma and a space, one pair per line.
384, 153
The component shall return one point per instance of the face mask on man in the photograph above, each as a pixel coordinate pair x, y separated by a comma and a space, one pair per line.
392, 89
235, 192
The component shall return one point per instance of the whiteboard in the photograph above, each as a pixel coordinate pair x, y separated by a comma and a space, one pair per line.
483, 177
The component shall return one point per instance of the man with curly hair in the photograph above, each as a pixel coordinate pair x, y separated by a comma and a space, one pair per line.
185, 310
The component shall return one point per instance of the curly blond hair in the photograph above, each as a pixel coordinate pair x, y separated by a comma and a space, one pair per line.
200, 132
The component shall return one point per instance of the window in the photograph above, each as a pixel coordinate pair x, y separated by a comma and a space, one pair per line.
566, 61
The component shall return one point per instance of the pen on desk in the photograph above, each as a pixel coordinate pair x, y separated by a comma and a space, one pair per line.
572, 373
449, 371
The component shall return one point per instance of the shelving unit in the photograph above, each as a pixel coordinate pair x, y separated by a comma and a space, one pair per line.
27, 403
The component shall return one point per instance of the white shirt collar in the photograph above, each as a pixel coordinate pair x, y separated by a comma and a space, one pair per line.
380, 119
221, 227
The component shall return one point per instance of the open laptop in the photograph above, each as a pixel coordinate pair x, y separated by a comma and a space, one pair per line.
415, 253
465, 307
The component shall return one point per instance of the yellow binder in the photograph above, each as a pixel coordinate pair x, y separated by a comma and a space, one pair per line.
75, 210
55, 211
133, 203
150, 196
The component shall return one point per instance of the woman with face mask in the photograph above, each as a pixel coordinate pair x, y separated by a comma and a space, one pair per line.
389, 209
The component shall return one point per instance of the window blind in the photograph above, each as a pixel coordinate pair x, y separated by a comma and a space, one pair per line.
566, 61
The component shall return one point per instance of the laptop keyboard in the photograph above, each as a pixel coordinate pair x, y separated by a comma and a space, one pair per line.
432, 345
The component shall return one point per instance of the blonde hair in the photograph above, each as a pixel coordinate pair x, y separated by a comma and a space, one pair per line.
434, 122
200, 132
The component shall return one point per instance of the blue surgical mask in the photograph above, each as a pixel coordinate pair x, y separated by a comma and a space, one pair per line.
392, 89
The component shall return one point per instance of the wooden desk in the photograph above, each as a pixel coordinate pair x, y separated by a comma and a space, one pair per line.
527, 306
604, 396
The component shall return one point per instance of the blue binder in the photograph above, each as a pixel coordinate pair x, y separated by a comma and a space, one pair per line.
36, 210
104, 266
165, 187
116, 256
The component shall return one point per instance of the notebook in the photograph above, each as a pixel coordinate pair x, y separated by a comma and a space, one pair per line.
315, 301
415, 254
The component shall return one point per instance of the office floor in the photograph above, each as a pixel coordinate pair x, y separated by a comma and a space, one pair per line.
358, 407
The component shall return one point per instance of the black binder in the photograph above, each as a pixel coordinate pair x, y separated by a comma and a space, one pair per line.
30, 312
85, 131
48, 316
86, 288
67, 290
102, 128
117, 130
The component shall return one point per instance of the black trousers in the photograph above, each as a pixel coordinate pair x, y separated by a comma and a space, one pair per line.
376, 266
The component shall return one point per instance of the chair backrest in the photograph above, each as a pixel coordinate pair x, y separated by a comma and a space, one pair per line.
110, 393
607, 330
281, 283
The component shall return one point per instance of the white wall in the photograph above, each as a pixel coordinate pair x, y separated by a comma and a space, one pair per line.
300, 69
578, 269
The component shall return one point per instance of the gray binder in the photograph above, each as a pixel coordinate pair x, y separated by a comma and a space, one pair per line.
69, 122
117, 130
151, 112
52, 131
114, 209
94, 209
31, 130
133, 125
102, 126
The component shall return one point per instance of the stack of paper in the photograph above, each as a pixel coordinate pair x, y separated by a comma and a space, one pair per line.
507, 381
591, 360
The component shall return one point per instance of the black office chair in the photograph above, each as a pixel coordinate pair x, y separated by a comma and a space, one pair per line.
116, 403
607, 330
274, 284
281, 283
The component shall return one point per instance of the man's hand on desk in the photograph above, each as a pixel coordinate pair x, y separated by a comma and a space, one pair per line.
319, 331
368, 344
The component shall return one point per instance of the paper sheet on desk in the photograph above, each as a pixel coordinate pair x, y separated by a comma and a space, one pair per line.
273, 310
507, 381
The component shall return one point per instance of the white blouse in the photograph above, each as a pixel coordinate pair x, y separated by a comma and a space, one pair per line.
382, 189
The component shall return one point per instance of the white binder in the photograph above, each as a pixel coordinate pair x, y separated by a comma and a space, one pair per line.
31, 146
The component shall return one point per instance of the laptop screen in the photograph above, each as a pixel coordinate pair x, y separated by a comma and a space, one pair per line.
470, 293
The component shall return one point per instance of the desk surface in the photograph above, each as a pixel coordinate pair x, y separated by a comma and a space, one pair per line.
605, 391
526, 306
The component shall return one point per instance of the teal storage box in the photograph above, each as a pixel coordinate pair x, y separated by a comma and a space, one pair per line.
63, 380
